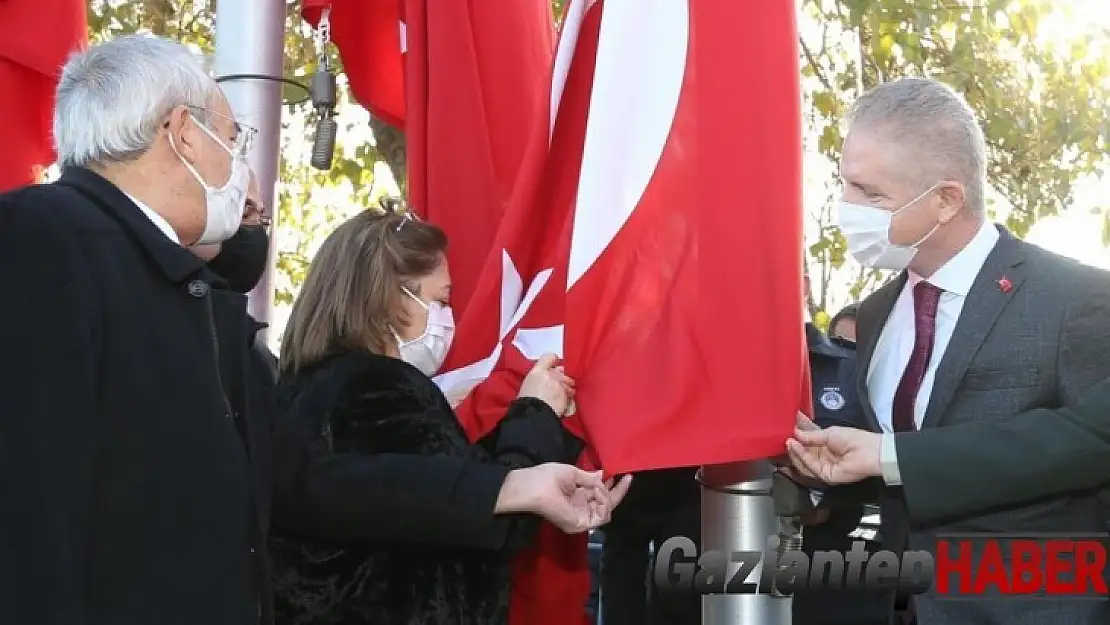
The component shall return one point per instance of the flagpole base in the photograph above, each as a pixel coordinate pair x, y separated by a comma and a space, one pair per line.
737, 514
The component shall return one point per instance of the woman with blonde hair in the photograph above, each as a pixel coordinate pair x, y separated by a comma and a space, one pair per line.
372, 323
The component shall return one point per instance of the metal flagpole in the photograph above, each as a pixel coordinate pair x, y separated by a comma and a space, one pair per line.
737, 514
250, 39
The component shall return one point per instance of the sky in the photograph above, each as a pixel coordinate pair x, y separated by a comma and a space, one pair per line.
1077, 233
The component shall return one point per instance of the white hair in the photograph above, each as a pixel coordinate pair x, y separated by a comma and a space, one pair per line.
937, 128
113, 97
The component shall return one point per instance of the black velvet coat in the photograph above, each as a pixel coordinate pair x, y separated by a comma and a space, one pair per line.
368, 404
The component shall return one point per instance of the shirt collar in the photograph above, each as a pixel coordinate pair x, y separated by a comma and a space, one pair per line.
156, 219
958, 274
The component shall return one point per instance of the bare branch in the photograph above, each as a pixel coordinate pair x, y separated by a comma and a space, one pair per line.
813, 63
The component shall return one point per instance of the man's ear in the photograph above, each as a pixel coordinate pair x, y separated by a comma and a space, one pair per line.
182, 132
952, 200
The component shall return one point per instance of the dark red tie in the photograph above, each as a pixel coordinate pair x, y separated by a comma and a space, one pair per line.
926, 299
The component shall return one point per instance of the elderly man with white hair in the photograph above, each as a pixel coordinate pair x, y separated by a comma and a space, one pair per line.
136, 474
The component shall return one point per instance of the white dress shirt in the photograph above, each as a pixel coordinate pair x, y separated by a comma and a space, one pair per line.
895, 345
156, 219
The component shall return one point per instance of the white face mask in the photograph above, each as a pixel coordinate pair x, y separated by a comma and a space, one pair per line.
867, 230
225, 204
428, 351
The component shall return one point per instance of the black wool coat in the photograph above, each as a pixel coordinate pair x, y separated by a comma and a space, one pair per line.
366, 404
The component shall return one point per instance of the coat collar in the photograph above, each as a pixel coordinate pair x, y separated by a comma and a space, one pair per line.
175, 262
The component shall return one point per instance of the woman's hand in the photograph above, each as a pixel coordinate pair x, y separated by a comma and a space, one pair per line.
572, 499
548, 383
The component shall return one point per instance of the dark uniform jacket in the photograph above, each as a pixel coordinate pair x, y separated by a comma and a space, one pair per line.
137, 453
832, 363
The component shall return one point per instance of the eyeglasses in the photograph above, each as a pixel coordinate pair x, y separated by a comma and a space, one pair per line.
244, 134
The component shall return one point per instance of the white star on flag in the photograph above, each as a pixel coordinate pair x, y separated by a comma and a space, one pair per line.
532, 342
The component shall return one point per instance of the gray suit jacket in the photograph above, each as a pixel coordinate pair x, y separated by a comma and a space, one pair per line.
1038, 344
949, 472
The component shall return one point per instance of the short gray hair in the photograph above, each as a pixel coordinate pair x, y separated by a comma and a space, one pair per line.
936, 124
113, 97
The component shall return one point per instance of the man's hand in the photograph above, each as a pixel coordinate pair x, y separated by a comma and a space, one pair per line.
835, 455
785, 463
570, 498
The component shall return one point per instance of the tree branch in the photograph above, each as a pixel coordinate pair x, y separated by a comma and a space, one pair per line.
391, 145
813, 63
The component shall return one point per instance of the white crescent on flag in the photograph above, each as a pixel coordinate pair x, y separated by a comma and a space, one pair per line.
641, 62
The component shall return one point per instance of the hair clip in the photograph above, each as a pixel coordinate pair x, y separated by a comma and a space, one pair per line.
405, 218
390, 205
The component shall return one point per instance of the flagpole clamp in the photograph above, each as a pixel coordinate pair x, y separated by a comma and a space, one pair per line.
323, 38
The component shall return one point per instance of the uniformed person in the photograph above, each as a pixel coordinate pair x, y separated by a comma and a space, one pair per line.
832, 364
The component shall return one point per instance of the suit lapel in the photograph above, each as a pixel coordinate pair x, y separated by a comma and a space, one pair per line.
871, 326
985, 301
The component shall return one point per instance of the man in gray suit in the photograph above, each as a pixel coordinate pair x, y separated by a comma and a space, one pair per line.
976, 326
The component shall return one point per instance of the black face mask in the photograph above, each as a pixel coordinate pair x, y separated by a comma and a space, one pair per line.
242, 258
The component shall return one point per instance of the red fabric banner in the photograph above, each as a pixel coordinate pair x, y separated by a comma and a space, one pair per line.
368, 36
684, 316
31, 57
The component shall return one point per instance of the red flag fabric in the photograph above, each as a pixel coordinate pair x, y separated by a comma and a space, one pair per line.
369, 35
477, 82
662, 236
517, 311
477, 77
684, 312
464, 80
31, 58
657, 223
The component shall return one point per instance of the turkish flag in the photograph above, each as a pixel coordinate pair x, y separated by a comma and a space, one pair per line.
31, 58
516, 315
655, 239
656, 235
